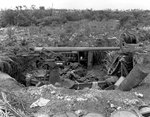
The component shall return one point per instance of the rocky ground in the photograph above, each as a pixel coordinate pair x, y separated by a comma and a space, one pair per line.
51, 101
81, 103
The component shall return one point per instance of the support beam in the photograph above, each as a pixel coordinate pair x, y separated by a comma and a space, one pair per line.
90, 59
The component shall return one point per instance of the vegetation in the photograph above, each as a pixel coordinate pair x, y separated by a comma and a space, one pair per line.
79, 24
46, 17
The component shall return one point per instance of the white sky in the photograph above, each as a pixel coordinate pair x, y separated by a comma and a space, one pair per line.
79, 4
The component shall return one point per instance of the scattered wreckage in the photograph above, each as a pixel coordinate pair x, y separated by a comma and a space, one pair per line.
47, 66
62, 66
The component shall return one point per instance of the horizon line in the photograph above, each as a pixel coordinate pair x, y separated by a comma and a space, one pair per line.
47, 8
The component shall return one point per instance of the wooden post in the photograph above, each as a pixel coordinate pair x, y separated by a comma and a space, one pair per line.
90, 59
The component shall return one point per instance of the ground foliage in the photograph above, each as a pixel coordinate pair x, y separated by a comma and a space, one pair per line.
23, 16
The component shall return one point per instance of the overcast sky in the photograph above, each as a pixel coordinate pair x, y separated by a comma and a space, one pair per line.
79, 4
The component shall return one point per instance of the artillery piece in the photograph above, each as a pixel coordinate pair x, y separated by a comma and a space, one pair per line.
45, 61
41, 65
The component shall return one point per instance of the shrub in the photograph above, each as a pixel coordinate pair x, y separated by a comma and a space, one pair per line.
8, 17
49, 20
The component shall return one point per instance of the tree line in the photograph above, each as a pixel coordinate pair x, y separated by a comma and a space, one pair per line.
53, 17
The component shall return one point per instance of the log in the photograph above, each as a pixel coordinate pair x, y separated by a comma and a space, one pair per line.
133, 79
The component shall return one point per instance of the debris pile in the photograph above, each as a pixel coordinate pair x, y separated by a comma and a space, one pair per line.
49, 100
52, 101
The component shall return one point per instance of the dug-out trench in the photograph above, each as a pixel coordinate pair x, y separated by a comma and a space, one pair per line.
70, 70
60, 69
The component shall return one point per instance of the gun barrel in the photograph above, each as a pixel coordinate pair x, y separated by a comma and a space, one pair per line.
69, 49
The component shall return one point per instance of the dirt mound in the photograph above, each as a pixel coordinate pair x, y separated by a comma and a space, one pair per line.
61, 100
88, 100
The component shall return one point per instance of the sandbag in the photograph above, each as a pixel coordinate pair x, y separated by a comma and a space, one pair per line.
9, 83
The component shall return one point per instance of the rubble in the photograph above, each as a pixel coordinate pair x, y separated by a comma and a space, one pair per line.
87, 102
140, 95
40, 102
81, 112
